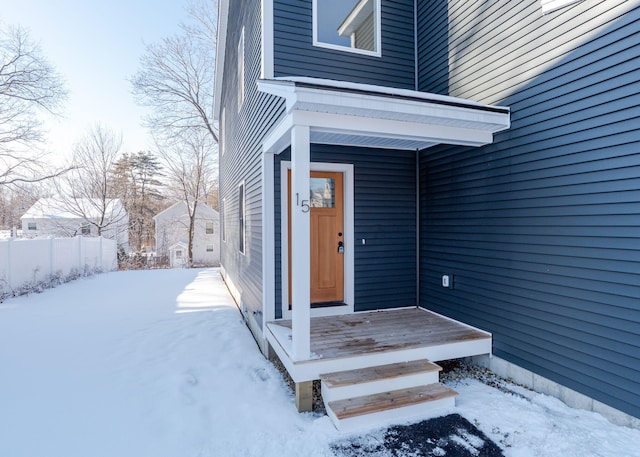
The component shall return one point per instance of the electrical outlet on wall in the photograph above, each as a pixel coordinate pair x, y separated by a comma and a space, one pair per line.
447, 281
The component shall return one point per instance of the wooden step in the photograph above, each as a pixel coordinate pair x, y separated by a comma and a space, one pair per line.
372, 380
372, 410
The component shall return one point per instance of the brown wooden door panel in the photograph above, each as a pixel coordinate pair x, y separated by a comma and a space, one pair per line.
327, 231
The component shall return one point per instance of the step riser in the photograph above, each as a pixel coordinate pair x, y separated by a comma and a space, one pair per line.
378, 386
425, 410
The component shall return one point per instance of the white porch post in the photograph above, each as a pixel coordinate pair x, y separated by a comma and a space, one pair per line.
300, 244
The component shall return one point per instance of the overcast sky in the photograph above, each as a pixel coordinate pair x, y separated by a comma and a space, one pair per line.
96, 46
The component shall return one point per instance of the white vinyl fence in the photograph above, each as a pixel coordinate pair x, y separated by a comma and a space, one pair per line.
32, 263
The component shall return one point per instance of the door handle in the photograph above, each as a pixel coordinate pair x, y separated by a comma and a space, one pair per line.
340, 247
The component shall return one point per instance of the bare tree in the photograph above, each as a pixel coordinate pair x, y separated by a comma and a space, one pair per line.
176, 78
15, 201
88, 191
29, 85
190, 169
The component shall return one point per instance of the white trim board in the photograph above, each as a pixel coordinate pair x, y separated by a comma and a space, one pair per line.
349, 240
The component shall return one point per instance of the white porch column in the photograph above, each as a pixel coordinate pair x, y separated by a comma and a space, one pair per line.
300, 243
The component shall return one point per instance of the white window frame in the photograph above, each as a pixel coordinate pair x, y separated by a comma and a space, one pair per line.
224, 220
378, 25
209, 248
32, 226
221, 132
347, 170
241, 69
551, 5
206, 228
242, 218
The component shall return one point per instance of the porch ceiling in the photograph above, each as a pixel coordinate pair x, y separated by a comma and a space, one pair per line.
379, 117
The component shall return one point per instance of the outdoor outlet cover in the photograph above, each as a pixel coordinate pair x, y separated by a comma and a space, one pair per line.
447, 281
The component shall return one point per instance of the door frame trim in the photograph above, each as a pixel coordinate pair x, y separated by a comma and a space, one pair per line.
349, 241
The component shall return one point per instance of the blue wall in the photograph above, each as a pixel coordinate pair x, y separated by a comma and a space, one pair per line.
295, 55
385, 216
542, 228
241, 160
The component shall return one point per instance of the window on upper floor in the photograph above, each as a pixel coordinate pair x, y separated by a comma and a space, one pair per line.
241, 70
221, 132
85, 229
349, 25
552, 5
208, 228
31, 226
241, 218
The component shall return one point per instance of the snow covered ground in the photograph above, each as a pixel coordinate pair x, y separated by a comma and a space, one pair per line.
159, 363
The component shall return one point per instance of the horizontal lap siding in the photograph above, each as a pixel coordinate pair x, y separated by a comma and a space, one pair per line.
242, 161
542, 228
295, 55
385, 216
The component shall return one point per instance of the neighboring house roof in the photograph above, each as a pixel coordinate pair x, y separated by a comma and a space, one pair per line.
203, 210
53, 208
179, 244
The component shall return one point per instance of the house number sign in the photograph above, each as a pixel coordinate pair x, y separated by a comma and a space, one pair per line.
304, 204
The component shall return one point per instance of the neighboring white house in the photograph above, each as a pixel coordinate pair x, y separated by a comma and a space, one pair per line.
52, 217
172, 226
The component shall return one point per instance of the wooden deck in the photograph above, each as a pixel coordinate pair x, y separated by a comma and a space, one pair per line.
367, 339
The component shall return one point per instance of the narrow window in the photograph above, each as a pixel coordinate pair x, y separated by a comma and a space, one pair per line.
224, 219
31, 226
208, 228
241, 217
241, 70
349, 25
221, 132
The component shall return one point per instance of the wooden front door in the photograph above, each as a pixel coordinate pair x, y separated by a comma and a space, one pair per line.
327, 237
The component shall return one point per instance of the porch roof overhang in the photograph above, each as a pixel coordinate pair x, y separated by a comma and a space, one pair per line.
363, 115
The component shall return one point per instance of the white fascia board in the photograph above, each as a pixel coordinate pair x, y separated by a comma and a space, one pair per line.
396, 108
279, 88
411, 107
221, 44
279, 138
356, 17
335, 84
386, 128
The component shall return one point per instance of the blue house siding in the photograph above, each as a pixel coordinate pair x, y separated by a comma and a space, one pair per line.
433, 47
295, 55
541, 229
385, 216
242, 158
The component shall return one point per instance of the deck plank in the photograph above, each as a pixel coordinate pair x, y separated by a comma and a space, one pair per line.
345, 409
373, 332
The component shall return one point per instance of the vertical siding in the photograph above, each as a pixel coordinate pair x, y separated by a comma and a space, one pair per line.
242, 160
385, 216
542, 228
295, 55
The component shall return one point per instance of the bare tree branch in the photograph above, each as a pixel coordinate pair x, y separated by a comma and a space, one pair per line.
190, 169
88, 190
28, 85
176, 78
